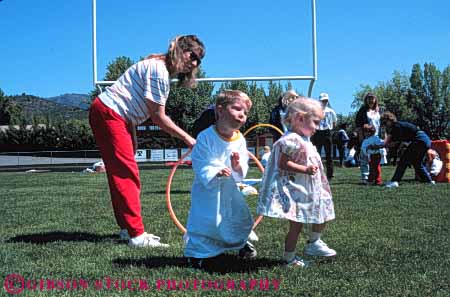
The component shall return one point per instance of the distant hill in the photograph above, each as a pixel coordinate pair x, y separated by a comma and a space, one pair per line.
37, 107
78, 100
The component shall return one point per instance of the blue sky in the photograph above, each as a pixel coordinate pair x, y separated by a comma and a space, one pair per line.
46, 46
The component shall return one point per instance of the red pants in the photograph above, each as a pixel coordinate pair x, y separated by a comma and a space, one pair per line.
375, 169
115, 142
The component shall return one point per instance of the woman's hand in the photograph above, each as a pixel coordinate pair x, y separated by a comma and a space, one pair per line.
189, 141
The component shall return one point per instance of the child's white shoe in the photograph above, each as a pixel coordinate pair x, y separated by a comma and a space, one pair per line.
146, 240
296, 262
392, 184
319, 248
123, 234
253, 236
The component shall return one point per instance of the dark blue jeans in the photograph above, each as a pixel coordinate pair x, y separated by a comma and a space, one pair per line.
322, 138
414, 155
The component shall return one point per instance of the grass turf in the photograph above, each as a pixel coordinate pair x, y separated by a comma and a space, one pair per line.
59, 226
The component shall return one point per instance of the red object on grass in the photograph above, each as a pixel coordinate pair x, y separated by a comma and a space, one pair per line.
443, 149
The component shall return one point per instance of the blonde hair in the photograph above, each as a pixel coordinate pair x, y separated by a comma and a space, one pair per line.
266, 148
227, 97
304, 106
174, 58
287, 97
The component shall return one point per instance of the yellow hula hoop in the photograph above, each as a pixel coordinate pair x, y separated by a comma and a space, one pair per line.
263, 125
172, 214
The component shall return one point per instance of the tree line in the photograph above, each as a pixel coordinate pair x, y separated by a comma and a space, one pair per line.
422, 98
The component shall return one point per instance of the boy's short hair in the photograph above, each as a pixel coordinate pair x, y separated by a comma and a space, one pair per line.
227, 97
266, 148
388, 116
369, 129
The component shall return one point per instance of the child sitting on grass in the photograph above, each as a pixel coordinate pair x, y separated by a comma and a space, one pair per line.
219, 218
433, 163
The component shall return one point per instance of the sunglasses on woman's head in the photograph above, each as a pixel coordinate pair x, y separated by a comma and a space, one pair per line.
194, 57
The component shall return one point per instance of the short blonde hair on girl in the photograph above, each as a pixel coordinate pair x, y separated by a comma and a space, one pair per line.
304, 106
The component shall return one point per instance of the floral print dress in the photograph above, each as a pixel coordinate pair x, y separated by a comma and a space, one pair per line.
297, 197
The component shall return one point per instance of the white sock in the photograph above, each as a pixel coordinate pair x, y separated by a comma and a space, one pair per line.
313, 236
253, 236
288, 256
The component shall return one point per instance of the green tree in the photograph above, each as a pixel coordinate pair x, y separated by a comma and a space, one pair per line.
185, 105
274, 90
117, 67
429, 97
260, 111
10, 113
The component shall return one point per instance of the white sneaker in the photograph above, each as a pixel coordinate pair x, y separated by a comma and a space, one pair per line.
296, 262
431, 183
392, 184
319, 248
146, 240
123, 234
253, 236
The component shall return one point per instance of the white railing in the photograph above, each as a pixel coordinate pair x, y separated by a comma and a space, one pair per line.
48, 157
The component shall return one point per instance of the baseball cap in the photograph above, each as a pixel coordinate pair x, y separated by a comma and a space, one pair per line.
324, 96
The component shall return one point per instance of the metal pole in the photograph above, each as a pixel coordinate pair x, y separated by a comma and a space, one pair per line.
314, 47
94, 40
225, 79
312, 79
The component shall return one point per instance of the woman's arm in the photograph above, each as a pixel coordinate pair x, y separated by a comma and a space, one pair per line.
159, 117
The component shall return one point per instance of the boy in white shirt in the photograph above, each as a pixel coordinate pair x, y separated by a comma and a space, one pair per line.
219, 218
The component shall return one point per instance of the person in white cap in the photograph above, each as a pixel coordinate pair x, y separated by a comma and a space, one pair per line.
322, 137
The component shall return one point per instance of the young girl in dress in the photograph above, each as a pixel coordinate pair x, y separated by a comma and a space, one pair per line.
295, 186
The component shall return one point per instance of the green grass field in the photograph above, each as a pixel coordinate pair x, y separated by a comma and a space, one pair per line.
59, 227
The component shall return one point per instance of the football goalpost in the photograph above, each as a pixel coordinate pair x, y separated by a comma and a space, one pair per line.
183, 178
311, 78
